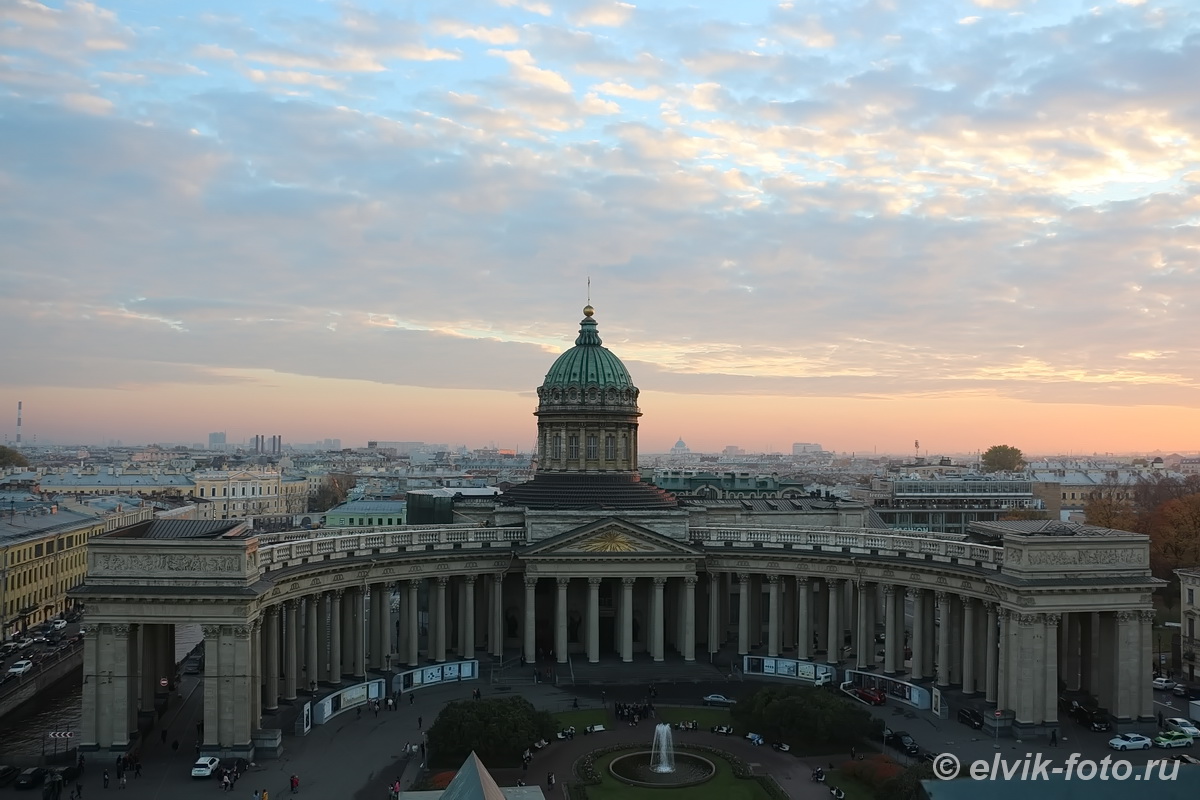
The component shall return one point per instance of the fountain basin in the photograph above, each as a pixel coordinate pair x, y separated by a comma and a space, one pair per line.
639, 769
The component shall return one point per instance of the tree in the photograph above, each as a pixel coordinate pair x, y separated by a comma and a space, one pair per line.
332, 492
1175, 536
1002, 458
12, 458
1105, 511
907, 785
498, 729
806, 716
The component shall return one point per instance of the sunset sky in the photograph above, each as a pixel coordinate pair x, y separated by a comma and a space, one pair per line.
857, 223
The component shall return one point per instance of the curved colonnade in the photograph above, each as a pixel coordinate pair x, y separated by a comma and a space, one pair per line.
285, 615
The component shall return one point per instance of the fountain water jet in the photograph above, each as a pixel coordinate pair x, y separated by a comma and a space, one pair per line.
662, 751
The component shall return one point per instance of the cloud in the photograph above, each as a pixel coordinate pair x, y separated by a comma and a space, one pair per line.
504, 34
631, 92
525, 70
606, 14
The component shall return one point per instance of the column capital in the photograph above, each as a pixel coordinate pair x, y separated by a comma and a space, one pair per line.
289, 604
834, 582
863, 586
1052, 619
241, 631
469, 579
967, 602
942, 597
1146, 616
594, 581
563, 582
530, 582
1125, 616
628, 581
1025, 620
689, 580
772, 579
990, 606
337, 593
442, 580
659, 581
743, 577
889, 589
912, 592
802, 580
272, 610
210, 630
414, 583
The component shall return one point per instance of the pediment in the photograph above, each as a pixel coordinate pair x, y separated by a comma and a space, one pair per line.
610, 538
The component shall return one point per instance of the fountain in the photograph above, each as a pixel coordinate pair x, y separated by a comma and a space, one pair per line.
662, 751
661, 766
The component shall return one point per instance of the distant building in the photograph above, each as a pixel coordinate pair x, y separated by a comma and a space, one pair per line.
800, 448
680, 448
474, 782
948, 505
216, 441
1189, 618
237, 494
365, 513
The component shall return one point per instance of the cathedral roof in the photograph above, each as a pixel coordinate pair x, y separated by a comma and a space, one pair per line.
588, 363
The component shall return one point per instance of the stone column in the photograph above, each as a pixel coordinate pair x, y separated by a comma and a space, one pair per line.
593, 627
943, 640
889, 629
955, 651
1083, 622
822, 615
993, 655
714, 612
689, 618
560, 621
657, 650
1071, 659
271, 648
349, 636
743, 614
919, 668
376, 646
312, 640
460, 646
627, 619
361, 632
289, 649
1002, 658
968, 645
401, 624
122, 708
530, 632
439, 645
255, 674
773, 616
787, 620
863, 643
469, 621
837, 635
803, 618
335, 637
496, 617
1050, 693
414, 622
1145, 621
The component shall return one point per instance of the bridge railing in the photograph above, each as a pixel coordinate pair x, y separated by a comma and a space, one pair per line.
856, 541
345, 542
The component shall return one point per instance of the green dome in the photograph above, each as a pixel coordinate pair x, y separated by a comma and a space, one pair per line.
588, 363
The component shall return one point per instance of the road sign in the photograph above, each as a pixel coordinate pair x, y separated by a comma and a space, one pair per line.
162, 681
999, 713
60, 734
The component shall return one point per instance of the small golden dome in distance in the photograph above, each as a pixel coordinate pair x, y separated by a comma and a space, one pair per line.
588, 311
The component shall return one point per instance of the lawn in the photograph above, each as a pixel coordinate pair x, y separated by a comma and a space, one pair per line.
706, 717
853, 789
581, 718
723, 786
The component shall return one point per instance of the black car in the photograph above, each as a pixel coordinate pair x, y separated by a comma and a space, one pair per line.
1189, 692
971, 717
1098, 720
8, 775
901, 741
30, 778
67, 773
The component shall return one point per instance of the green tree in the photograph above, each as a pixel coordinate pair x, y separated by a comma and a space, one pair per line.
806, 717
12, 458
1002, 458
498, 729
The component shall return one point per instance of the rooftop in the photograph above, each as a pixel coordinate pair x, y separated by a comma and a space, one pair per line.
1043, 527
368, 507
474, 782
35, 520
183, 529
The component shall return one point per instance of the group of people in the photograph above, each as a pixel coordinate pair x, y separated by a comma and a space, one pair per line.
633, 713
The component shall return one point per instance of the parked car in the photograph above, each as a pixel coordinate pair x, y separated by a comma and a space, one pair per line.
1183, 726
755, 739
970, 717
65, 774
8, 775
718, 700
30, 778
871, 696
1183, 690
205, 767
1129, 741
1169, 739
900, 740
1184, 758
1163, 684
58, 624
20, 667
1097, 719
781, 747
724, 730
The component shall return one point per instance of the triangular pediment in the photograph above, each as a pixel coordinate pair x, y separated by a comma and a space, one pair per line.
610, 538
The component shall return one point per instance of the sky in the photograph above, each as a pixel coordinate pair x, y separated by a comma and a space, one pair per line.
861, 223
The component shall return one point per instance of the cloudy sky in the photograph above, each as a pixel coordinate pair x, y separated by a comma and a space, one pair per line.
853, 222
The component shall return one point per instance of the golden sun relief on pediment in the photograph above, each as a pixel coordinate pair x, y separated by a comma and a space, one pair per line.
613, 542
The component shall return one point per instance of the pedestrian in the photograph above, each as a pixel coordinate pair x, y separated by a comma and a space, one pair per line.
80, 764
1054, 738
256, 793
295, 782
105, 779
420, 721
412, 698
137, 768
376, 708
852, 753
358, 713
264, 795
121, 781
79, 791
175, 745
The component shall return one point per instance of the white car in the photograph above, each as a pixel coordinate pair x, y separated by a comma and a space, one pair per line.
1183, 726
755, 739
718, 700
205, 767
20, 667
1165, 684
59, 624
1129, 741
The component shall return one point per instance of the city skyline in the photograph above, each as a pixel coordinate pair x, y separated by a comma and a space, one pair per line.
860, 224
